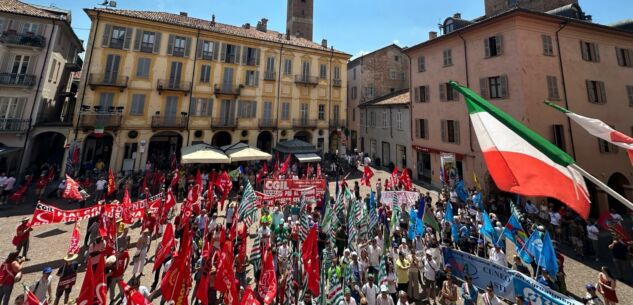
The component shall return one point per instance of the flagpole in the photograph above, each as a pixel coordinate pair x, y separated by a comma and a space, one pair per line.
603, 186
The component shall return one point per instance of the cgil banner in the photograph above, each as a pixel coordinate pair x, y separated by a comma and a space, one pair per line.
411, 198
482, 271
290, 190
536, 293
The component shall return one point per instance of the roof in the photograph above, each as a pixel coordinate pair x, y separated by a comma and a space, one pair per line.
400, 97
17, 7
626, 25
201, 24
393, 45
571, 10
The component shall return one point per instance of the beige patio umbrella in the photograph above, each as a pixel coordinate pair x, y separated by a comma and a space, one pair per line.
243, 152
203, 153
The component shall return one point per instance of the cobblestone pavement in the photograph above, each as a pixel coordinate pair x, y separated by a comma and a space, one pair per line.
49, 245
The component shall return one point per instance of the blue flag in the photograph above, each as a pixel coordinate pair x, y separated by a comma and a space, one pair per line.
449, 217
412, 218
543, 252
514, 231
461, 191
421, 206
488, 230
478, 201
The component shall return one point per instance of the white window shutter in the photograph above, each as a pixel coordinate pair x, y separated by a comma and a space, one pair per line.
107, 31
138, 33
170, 44
128, 38
157, 39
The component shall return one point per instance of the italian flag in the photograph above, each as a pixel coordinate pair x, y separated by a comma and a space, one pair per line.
521, 161
599, 129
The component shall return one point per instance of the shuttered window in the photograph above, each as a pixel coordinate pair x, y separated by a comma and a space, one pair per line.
421, 94
138, 104
421, 129
629, 93
116, 37
201, 106
450, 131
493, 46
205, 73
323, 71
447, 93
495, 87
548, 47
287, 66
247, 109
421, 64
321, 113
558, 136
590, 51
251, 78
596, 93
285, 111
624, 56
448, 57
552, 88
142, 67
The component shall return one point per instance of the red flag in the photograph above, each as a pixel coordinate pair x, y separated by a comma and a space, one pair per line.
225, 277
166, 245
308, 171
207, 264
87, 292
261, 173
318, 170
405, 179
241, 255
100, 283
224, 183
387, 184
74, 240
210, 195
72, 190
193, 194
267, 288
284, 167
133, 296
394, 177
199, 179
31, 298
174, 178
173, 162
367, 174
93, 289
249, 297
310, 257
170, 201
111, 182
276, 169
177, 280
125, 211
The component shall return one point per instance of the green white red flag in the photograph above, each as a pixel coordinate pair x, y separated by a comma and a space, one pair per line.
521, 161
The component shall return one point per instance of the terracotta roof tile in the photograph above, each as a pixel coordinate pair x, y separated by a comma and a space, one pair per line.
17, 7
221, 28
400, 97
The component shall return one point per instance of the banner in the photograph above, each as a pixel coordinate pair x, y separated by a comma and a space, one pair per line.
411, 198
288, 191
535, 293
482, 271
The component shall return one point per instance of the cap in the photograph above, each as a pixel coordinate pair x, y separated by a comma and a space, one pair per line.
383, 288
47, 270
354, 253
448, 266
346, 250
590, 286
25, 219
428, 252
347, 290
404, 240
71, 257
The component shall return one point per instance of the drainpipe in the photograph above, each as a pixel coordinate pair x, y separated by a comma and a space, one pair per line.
86, 74
37, 95
562, 76
470, 125
281, 51
411, 125
330, 97
193, 80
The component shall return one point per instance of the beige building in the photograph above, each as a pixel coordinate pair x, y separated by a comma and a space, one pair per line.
517, 59
371, 76
157, 81
38, 58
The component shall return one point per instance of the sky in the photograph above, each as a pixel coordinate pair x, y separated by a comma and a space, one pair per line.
352, 26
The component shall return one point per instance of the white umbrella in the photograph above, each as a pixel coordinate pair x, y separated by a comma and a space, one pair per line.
203, 153
243, 152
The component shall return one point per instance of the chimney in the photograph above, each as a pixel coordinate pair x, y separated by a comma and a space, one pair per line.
432, 35
457, 16
246, 25
262, 25
287, 34
324, 43
213, 20
184, 14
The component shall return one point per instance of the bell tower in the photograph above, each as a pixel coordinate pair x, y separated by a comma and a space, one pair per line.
299, 18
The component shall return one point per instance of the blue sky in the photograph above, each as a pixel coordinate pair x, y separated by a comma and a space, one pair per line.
353, 26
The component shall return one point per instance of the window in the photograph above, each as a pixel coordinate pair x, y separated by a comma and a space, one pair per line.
51, 73
303, 111
270, 65
207, 50
146, 41
362, 119
449, 26
179, 46
285, 111
305, 69
558, 136
447, 93
252, 78
287, 66
251, 56
393, 74
421, 64
385, 119
399, 120
606, 147
11, 107
138, 104
421, 94
625, 57
450, 131
201, 106
106, 100
205, 73
629, 92
336, 113
28, 27
142, 67
548, 47
448, 57
495, 87
596, 92
117, 39
353, 114
396, 58
493, 46
421, 129
353, 92
323, 71
372, 119
230, 53
321, 112
337, 73
354, 74
246, 109
369, 92
552, 88
590, 51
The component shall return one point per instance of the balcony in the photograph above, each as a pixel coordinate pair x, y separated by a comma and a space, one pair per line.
224, 122
173, 85
267, 123
14, 125
334, 123
107, 80
169, 122
17, 80
29, 40
116, 43
147, 47
75, 65
109, 120
250, 61
306, 80
336, 83
227, 89
270, 75
304, 123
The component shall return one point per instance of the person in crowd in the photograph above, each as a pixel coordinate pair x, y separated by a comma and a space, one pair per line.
593, 236
22, 236
469, 291
42, 288
489, 297
591, 297
448, 293
606, 286
67, 274
347, 298
619, 252
384, 298
10, 272
519, 266
402, 271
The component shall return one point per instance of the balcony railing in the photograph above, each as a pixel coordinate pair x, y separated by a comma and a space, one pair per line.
109, 120
250, 62
14, 125
23, 39
116, 43
270, 75
336, 82
17, 80
267, 123
227, 89
173, 85
304, 123
337, 123
306, 79
75, 65
147, 47
179, 122
224, 122
207, 55
107, 80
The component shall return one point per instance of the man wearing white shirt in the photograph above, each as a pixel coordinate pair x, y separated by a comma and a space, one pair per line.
592, 235
370, 290
384, 298
498, 257
428, 274
347, 299
375, 252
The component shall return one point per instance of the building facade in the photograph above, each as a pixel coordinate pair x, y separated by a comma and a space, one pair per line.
370, 76
38, 59
517, 60
387, 131
158, 81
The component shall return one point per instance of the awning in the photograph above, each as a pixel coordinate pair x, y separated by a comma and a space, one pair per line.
243, 152
203, 153
5, 150
308, 158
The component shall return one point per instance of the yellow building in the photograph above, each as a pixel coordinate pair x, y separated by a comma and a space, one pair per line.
158, 81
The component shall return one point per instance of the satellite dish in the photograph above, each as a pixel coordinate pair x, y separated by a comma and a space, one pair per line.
112, 3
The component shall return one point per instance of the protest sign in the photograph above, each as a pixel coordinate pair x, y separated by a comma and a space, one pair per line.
535, 293
287, 191
411, 198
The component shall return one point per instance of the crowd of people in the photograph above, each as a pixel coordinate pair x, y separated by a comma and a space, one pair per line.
367, 252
